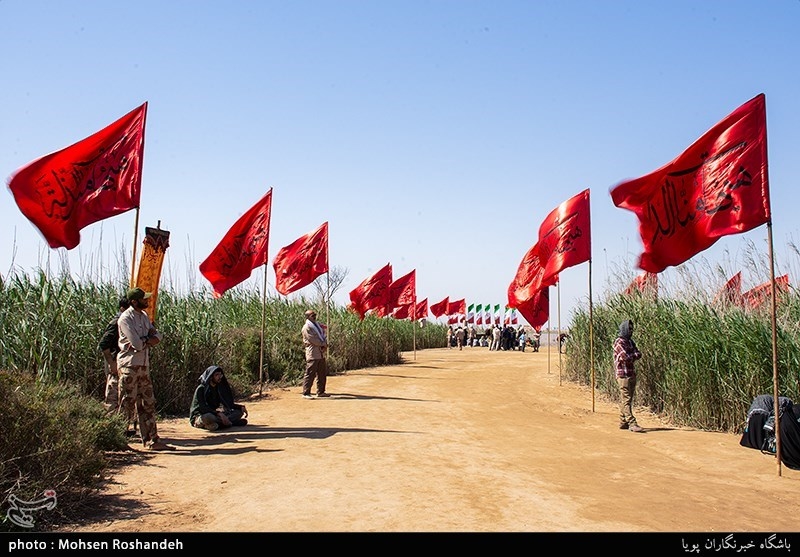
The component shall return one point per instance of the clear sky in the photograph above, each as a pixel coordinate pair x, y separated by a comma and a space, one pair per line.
432, 135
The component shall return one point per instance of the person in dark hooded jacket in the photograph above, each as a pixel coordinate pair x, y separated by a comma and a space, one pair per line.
212, 404
625, 354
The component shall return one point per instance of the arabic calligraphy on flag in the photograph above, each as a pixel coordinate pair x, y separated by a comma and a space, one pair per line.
94, 179
718, 186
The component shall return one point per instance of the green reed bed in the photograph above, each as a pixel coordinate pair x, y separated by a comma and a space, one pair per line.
702, 364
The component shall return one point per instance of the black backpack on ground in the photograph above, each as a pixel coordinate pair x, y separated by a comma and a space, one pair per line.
759, 433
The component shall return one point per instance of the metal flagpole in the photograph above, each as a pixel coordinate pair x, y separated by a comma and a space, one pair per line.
591, 333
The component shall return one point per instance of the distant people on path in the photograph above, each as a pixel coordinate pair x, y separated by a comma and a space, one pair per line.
316, 345
460, 336
109, 347
562, 342
136, 336
535, 340
473, 334
522, 339
212, 405
625, 354
507, 337
496, 333
450, 337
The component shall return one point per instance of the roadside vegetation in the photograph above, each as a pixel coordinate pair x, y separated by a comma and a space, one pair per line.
55, 434
704, 362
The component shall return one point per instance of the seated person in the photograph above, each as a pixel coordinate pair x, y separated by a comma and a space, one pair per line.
212, 404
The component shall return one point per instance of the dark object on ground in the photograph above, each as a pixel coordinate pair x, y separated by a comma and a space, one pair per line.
759, 433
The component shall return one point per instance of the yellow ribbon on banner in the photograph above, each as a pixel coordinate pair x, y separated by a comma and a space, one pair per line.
156, 242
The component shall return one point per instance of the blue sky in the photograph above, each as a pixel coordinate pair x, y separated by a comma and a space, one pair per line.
432, 135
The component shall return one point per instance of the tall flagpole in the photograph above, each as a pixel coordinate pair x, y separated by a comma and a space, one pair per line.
549, 330
263, 321
591, 332
328, 312
135, 239
414, 322
775, 389
328, 302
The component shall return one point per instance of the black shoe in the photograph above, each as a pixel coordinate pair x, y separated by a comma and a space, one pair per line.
323, 395
623, 425
240, 422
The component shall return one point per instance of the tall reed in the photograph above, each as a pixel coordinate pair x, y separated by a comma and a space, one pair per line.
51, 326
702, 364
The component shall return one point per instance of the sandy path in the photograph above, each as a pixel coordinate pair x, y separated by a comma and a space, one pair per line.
450, 441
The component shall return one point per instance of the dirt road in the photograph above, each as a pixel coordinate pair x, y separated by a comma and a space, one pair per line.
450, 441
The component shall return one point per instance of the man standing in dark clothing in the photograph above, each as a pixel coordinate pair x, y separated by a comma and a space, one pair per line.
212, 404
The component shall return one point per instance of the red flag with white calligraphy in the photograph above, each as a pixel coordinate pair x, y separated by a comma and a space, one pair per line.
302, 261
241, 250
718, 186
97, 178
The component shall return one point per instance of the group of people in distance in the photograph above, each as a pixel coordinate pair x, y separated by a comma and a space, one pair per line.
495, 337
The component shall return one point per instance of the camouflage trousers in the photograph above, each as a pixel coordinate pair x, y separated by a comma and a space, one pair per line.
136, 397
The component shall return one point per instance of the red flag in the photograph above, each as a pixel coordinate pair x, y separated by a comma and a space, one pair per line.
529, 279
761, 294
241, 250
402, 292
373, 291
536, 310
299, 263
718, 186
459, 307
401, 312
421, 311
565, 236
731, 292
97, 178
646, 284
440, 308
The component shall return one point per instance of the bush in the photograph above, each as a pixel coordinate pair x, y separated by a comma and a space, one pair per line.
54, 438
